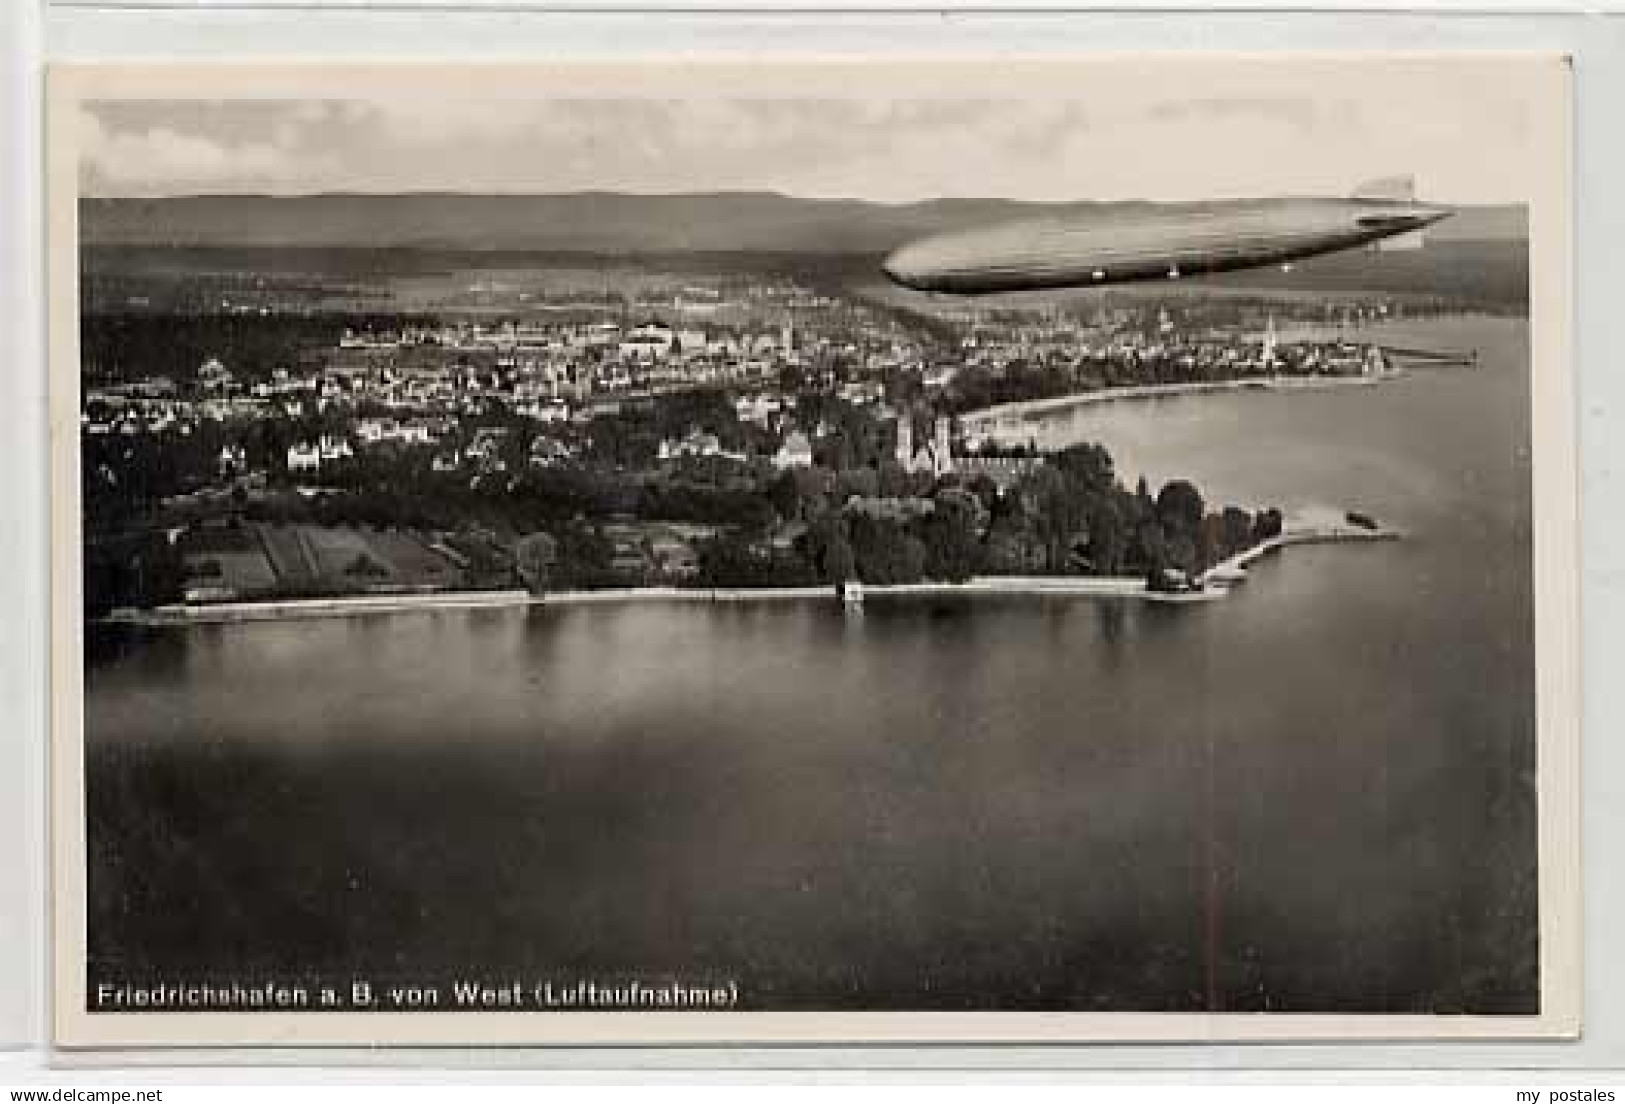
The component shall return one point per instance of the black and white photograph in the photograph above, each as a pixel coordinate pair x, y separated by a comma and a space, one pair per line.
1054, 549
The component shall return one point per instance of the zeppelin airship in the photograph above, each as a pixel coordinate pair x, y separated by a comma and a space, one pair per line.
1112, 245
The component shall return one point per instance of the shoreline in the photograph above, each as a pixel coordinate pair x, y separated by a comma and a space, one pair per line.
1380, 333
225, 613
992, 416
1217, 582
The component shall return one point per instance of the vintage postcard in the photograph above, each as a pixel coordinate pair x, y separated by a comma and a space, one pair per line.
1064, 549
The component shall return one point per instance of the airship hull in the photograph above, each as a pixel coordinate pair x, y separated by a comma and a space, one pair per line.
1094, 247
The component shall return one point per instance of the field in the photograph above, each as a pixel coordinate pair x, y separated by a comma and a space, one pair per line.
287, 554
240, 572
1481, 273
264, 559
414, 563
224, 558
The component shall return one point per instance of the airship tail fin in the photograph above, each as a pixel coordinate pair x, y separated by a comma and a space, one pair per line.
1398, 189
1394, 189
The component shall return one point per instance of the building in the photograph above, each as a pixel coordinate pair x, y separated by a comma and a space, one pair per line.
796, 452
695, 443
487, 444
545, 410
334, 448
370, 431
935, 457
545, 452
942, 457
646, 343
304, 457
214, 376
905, 442
759, 408
1001, 470
862, 392
233, 460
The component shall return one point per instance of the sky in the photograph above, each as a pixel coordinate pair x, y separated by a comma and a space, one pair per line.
1463, 132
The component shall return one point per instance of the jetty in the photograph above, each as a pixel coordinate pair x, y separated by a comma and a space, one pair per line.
1310, 527
1441, 357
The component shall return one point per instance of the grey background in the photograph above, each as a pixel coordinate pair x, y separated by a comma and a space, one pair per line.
155, 30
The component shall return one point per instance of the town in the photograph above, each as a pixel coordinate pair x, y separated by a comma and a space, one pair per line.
699, 433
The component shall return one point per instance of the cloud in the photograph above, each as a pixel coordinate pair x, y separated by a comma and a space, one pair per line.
1215, 130
1297, 112
163, 158
430, 122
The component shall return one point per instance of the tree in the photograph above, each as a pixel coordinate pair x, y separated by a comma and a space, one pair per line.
1142, 492
584, 555
365, 566
535, 556
863, 482
1180, 508
1089, 465
785, 496
951, 535
885, 552
1108, 537
1060, 516
734, 560
1182, 551
840, 564
1150, 546
1235, 530
891, 480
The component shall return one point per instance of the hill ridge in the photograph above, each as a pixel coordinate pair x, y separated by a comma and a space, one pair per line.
597, 221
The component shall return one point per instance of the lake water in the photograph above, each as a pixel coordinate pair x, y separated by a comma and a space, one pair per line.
1317, 795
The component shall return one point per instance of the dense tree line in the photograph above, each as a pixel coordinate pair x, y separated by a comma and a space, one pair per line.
1070, 516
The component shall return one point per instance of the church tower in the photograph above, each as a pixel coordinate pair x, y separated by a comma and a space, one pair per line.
905, 441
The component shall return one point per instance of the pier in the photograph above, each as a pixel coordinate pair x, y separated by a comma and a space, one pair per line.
1315, 529
1441, 357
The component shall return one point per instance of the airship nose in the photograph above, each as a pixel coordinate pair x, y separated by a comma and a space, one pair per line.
1427, 216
